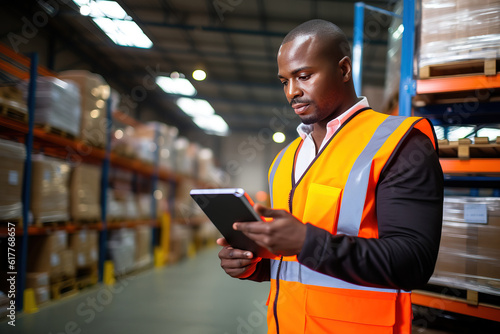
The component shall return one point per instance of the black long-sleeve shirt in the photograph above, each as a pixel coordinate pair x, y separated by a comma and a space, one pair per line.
409, 203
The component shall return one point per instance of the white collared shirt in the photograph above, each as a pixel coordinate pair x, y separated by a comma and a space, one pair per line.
308, 152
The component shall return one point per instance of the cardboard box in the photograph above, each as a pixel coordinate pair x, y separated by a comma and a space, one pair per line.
85, 193
68, 266
36, 280
93, 243
470, 243
44, 253
12, 155
143, 235
79, 244
488, 266
49, 189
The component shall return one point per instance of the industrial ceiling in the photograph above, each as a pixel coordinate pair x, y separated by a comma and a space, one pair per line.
234, 41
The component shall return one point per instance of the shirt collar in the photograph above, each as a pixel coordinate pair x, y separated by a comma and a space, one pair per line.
306, 129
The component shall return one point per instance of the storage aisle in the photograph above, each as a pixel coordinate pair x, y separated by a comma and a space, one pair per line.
193, 296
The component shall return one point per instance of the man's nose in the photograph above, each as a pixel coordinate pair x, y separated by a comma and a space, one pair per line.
292, 90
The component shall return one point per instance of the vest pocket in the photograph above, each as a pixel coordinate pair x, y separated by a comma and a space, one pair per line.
322, 206
350, 311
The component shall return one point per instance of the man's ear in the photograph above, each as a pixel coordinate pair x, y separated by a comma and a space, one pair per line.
345, 66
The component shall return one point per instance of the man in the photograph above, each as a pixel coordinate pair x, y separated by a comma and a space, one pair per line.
357, 202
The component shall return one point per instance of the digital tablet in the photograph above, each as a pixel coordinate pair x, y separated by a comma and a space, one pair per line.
224, 207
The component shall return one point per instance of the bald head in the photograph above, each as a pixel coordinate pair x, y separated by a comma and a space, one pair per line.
333, 40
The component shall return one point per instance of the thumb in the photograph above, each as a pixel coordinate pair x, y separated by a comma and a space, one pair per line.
268, 212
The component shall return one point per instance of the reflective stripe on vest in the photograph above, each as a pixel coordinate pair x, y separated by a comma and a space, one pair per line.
273, 171
351, 209
292, 271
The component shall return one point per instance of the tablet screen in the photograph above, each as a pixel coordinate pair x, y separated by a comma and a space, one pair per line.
226, 206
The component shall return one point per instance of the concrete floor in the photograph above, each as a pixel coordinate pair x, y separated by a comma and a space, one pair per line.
192, 297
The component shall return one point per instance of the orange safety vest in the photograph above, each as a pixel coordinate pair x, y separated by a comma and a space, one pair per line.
337, 193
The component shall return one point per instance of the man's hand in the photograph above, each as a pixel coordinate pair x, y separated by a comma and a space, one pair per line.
236, 263
284, 235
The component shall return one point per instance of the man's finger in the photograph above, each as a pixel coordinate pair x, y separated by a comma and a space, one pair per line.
268, 212
252, 227
222, 242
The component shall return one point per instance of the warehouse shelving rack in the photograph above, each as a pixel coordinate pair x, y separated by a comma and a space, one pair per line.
477, 171
20, 67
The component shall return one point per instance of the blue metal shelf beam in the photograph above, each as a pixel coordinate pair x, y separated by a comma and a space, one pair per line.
26, 194
407, 84
103, 235
359, 40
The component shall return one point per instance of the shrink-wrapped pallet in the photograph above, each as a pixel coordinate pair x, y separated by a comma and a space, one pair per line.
154, 135
57, 104
94, 93
49, 189
11, 97
85, 192
13, 156
143, 235
455, 30
122, 204
121, 246
469, 255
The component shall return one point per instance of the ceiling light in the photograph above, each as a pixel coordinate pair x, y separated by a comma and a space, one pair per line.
279, 137
178, 85
213, 124
85, 10
115, 22
195, 107
199, 75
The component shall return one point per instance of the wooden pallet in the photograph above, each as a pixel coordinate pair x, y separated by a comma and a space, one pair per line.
86, 222
466, 67
465, 149
86, 277
52, 224
63, 288
13, 110
55, 131
18, 222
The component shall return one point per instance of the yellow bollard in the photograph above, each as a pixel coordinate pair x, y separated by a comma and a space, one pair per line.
109, 273
165, 222
159, 257
191, 251
29, 301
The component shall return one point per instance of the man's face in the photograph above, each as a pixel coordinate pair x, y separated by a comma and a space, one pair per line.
312, 79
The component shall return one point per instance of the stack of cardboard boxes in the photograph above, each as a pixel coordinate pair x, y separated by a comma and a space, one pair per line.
58, 257
94, 92
12, 155
49, 189
470, 247
11, 97
453, 30
57, 104
85, 185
